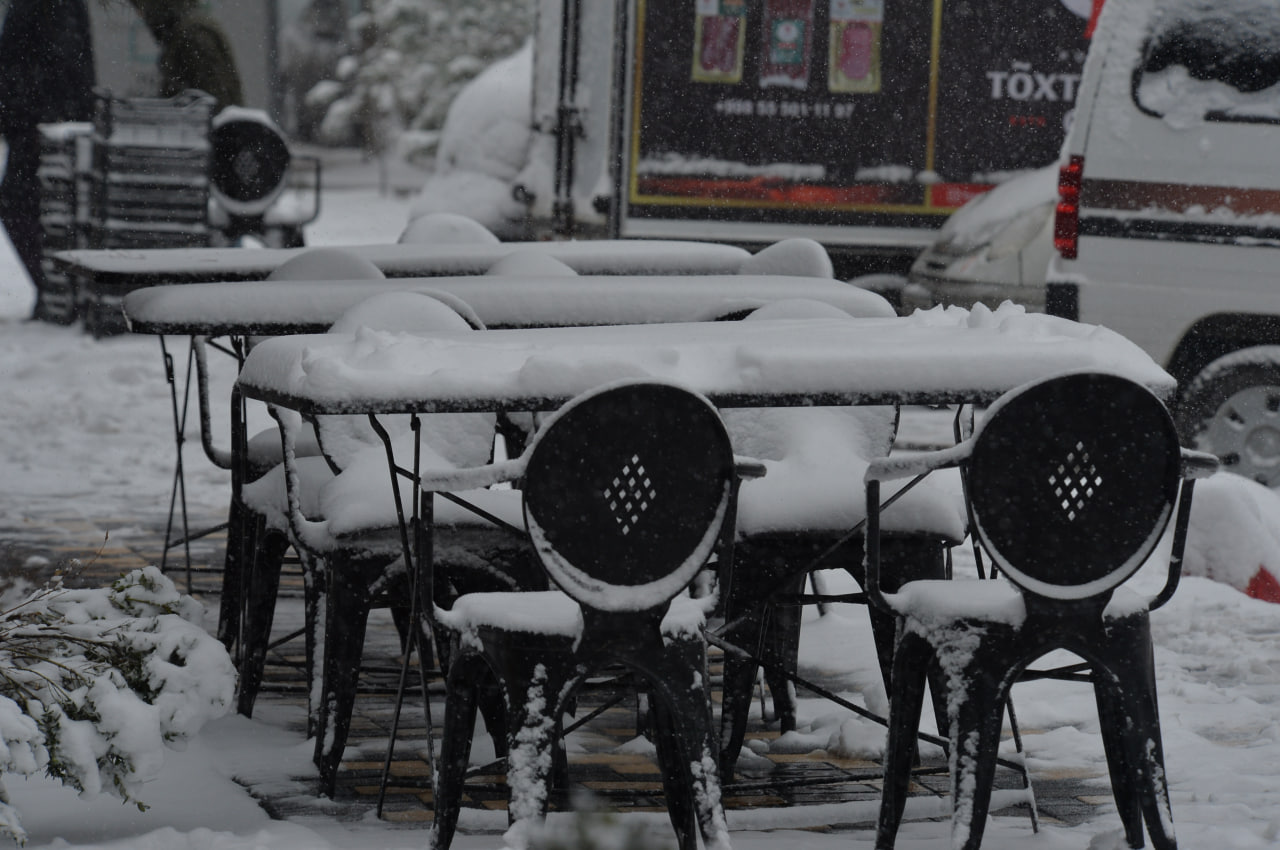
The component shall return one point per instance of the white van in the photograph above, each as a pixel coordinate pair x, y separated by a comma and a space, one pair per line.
994, 248
1168, 225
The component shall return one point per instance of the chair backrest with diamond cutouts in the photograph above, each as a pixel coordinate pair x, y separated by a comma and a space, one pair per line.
625, 492
1073, 480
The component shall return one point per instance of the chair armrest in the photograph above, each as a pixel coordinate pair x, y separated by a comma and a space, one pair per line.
1198, 464
910, 466
472, 478
1195, 465
220, 458
311, 535
1185, 493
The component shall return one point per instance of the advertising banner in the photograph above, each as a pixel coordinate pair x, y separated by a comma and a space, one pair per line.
843, 112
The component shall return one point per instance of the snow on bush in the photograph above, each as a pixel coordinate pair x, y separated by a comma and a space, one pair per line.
413, 56
484, 150
95, 682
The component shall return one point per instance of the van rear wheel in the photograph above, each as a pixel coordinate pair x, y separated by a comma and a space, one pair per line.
1232, 409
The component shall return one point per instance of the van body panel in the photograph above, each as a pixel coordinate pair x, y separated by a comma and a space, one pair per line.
1156, 301
1179, 215
1176, 232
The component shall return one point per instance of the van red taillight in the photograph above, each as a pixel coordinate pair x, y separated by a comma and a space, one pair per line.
1066, 221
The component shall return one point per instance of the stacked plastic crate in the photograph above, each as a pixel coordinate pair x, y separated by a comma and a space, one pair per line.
150, 185
64, 211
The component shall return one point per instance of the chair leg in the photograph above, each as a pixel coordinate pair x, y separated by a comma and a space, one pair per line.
348, 600
686, 742
455, 750
259, 612
905, 702
314, 603
735, 707
1112, 722
902, 560
1127, 681
534, 685
782, 637
975, 745
494, 712
676, 779
242, 536
1147, 755
774, 634
758, 566
492, 702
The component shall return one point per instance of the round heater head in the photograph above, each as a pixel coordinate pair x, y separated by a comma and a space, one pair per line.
249, 161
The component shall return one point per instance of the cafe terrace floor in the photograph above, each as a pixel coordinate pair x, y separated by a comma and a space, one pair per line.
611, 766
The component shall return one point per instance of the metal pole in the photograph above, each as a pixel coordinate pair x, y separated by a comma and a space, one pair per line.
568, 120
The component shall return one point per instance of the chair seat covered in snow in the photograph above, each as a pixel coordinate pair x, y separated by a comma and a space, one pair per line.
442, 228
810, 502
1072, 481
626, 491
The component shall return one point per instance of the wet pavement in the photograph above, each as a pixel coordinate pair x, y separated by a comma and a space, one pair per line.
611, 764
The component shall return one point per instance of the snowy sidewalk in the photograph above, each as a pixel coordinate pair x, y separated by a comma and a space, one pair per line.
610, 764
87, 449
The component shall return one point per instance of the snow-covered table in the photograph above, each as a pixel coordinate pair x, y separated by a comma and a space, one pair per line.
273, 308
131, 269
940, 356
270, 308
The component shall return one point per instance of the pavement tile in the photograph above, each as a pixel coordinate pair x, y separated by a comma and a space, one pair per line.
598, 785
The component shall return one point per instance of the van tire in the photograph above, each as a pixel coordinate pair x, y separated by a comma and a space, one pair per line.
1232, 409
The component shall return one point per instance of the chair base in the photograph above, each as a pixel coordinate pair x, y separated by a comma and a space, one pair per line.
540, 674
982, 659
477, 558
772, 632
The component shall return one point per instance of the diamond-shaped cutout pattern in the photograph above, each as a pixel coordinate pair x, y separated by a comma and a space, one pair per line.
630, 494
246, 166
1075, 481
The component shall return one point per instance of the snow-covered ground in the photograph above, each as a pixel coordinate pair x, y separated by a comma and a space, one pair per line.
86, 430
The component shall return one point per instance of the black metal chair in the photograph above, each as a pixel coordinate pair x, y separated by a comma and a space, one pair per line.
626, 491
1072, 481
353, 563
339, 513
785, 533
259, 533
251, 457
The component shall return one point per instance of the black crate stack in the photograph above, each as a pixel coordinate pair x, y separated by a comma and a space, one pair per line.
149, 186
64, 212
